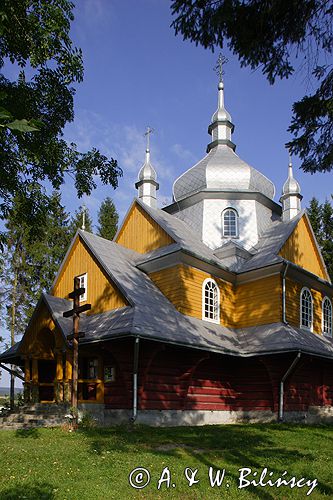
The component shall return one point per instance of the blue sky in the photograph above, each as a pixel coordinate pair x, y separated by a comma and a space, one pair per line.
138, 73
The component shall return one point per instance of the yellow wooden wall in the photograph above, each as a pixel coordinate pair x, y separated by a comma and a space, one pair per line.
258, 302
102, 294
37, 341
293, 291
251, 304
182, 285
300, 248
141, 233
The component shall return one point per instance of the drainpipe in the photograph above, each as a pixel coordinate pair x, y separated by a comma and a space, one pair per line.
285, 376
284, 294
135, 379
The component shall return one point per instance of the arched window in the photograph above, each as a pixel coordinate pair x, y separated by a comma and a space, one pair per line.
229, 223
210, 301
327, 317
306, 309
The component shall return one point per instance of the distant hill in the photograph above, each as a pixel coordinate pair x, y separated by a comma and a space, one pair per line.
4, 391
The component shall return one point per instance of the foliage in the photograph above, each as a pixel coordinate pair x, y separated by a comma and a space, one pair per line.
31, 263
87, 421
96, 463
272, 35
321, 218
107, 219
35, 36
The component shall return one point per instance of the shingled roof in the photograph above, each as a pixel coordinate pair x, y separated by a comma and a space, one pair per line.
152, 316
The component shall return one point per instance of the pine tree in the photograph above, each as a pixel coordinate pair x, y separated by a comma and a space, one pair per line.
107, 219
321, 218
30, 264
47, 252
76, 221
15, 282
314, 212
327, 238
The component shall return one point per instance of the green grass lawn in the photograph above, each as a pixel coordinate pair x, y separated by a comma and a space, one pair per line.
95, 464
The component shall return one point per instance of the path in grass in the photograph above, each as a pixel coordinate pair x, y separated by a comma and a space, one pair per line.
95, 464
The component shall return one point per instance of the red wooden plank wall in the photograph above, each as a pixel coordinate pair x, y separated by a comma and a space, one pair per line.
175, 378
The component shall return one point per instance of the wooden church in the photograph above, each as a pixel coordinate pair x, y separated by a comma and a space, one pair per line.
214, 309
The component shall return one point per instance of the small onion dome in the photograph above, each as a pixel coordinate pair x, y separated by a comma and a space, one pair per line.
291, 186
147, 171
221, 114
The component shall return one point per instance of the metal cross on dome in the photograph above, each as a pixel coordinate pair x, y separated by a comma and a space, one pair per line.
147, 134
219, 67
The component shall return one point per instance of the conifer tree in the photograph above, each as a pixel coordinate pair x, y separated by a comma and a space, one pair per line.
315, 214
327, 236
321, 218
107, 219
29, 263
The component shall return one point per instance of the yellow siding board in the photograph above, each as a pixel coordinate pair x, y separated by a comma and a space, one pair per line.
42, 337
141, 233
102, 294
258, 302
251, 304
300, 248
182, 285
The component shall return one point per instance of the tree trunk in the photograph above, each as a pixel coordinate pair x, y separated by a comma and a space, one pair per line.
12, 336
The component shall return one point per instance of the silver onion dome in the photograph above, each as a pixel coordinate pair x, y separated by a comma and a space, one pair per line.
221, 114
147, 171
221, 169
291, 186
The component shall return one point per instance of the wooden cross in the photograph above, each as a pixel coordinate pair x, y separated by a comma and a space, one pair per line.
75, 312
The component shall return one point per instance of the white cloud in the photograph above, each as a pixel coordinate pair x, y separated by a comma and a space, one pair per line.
182, 153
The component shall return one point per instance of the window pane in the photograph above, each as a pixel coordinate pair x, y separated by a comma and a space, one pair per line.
229, 223
327, 317
306, 309
211, 305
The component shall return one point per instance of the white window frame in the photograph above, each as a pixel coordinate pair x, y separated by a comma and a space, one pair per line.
329, 334
300, 310
211, 320
83, 283
237, 228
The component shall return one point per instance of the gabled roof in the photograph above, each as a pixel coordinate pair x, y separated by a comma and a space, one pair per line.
184, 236
264, 254
10, 354
270, 243
151, 316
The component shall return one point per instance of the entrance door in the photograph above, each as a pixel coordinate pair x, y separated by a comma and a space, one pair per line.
46, 377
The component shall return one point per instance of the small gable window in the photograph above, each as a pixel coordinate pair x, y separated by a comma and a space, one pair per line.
327, 317
306, 311
83, 284
210, 301
230, 223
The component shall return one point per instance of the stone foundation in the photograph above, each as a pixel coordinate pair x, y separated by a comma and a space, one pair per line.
173, 418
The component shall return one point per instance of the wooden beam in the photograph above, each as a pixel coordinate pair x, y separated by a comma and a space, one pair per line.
59, 368
77, 310
27, 374
14, 372
35, 371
